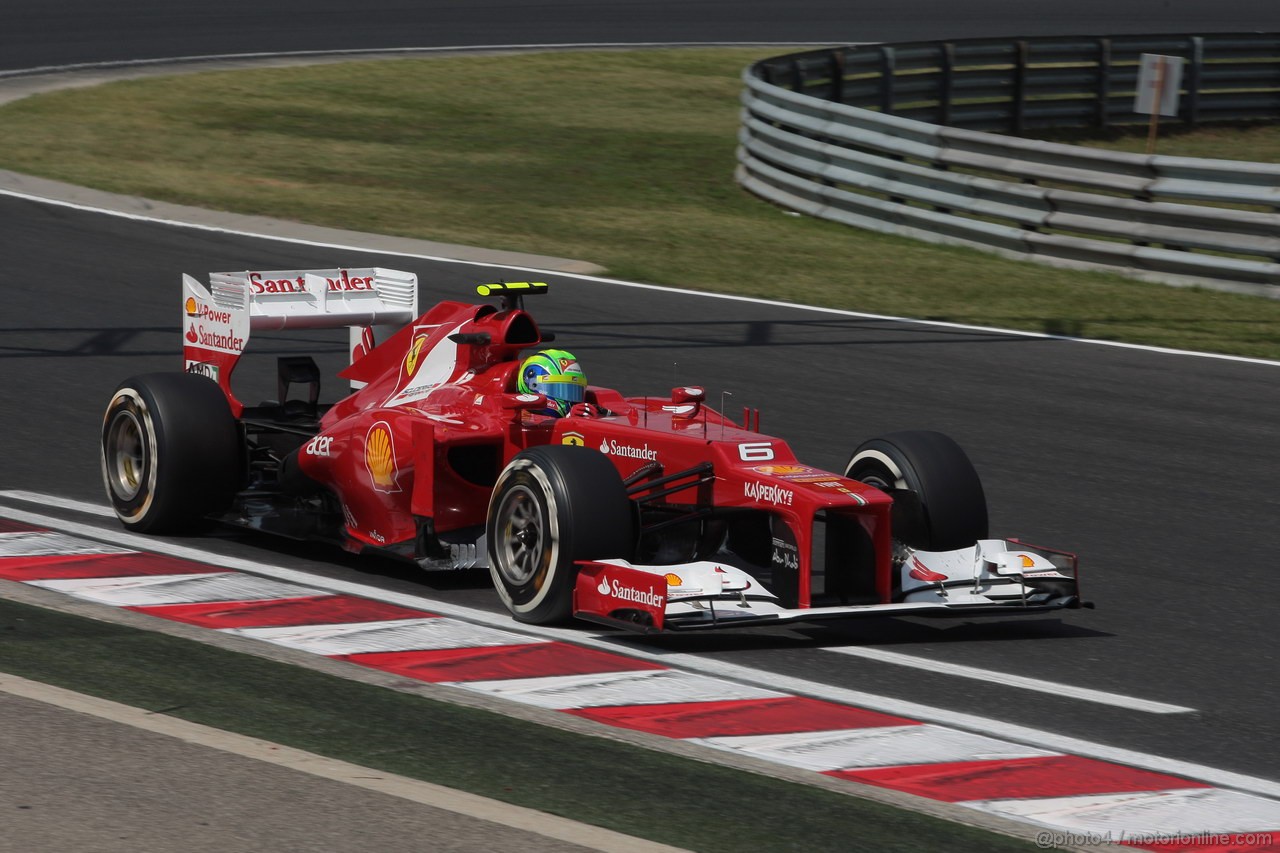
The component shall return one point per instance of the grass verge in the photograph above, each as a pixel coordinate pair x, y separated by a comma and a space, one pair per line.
622, 787
621, 158
1256, 142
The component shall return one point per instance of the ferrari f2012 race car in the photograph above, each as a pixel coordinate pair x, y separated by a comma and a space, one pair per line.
646, 513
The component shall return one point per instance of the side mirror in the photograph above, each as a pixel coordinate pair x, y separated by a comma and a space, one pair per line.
688, 394
686, 402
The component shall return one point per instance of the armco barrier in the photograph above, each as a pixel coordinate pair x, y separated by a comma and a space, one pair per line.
849, 134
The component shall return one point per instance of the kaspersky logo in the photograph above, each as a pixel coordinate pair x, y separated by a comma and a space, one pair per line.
626, 593
380, 458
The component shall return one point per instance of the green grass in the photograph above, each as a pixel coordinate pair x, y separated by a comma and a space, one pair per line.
621, 158
626, 788
1259, 143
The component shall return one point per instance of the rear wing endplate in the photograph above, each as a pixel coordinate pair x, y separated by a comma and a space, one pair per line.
218, 320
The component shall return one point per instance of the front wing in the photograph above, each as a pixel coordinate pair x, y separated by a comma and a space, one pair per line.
710, 596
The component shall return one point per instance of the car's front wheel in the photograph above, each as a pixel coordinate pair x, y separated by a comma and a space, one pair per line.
952, 506
552, 506
170, 451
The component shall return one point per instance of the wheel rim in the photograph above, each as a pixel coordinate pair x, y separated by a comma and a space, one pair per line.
877, 469
522, 540
126, 454
876, 482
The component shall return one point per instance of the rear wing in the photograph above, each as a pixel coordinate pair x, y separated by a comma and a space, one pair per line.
219, 320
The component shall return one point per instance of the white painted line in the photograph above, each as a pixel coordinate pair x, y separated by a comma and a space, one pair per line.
931, 665
414, 790
398, 52
150, 590
774, 303
1186, 811
39, 543
631, 284
691, 663
392, 635
1053, 688
592, 690
884, 746
61, 503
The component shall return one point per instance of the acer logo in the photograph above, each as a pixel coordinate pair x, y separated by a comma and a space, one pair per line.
321, 445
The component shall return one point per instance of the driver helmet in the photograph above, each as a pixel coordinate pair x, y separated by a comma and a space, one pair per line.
554, 373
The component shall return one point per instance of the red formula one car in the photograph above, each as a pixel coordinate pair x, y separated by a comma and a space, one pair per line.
455, 451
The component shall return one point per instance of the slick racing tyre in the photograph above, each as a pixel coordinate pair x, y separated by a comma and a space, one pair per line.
170, 451
952, 508
554, 505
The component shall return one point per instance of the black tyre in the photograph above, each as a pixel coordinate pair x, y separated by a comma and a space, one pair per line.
551, 506
170, 451
952, 508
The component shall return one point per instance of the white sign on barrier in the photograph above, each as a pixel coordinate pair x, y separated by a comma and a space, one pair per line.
1159, 82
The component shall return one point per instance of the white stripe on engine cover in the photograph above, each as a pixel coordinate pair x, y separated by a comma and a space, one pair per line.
147, 590
881, 746
646, 687
392, 635
1188, 811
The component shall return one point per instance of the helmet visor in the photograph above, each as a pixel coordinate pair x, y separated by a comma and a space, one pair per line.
570, 389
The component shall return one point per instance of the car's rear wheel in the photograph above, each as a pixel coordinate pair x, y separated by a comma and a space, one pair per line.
552, 506
170, 451
952, 507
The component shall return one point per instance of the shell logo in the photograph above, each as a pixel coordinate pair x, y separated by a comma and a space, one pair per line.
778, 470
191, 307
414, 356
380, 458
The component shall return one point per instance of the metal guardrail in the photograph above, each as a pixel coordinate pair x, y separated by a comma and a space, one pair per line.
895, 138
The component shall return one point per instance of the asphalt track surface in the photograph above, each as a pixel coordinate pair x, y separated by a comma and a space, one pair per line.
1158, 469
49, 32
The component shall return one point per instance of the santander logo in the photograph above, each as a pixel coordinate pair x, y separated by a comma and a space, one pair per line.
613, 448
613, 589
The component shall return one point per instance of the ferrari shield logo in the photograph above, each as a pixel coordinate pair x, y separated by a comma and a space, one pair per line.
574, 438
414, 356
